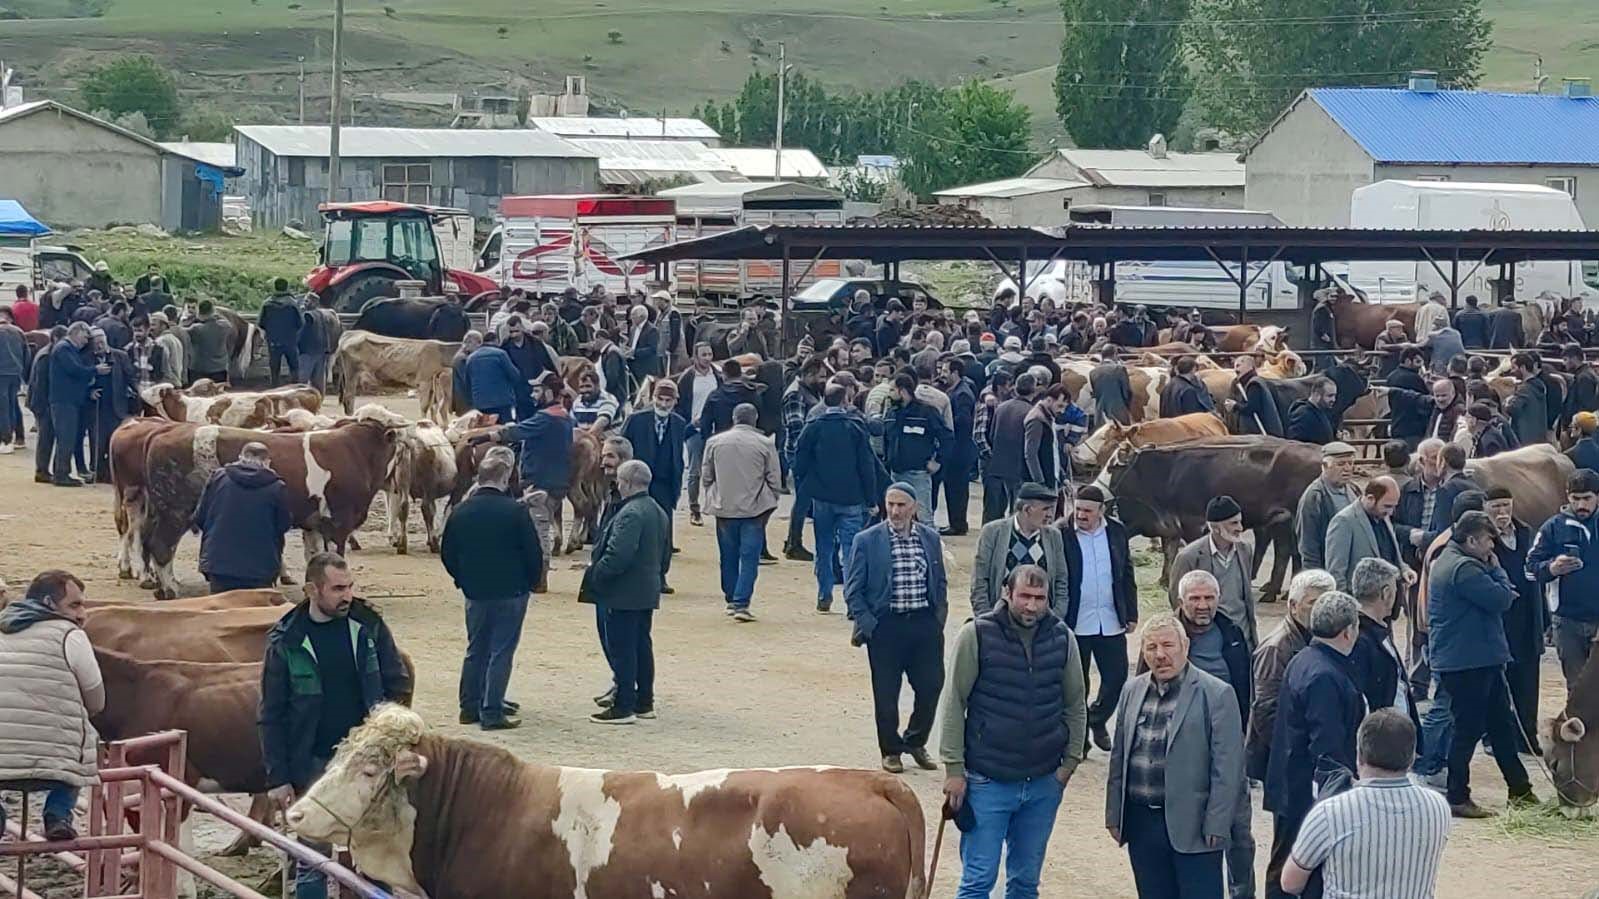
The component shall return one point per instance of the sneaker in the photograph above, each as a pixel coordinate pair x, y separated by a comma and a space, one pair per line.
68, 481
1528, 799
6, 449
607, 699
612, 716
646, 712
824, 606
1101, 737
694, 518
799, 553
510, 707
1469, 809
729, 610
767, 558
743, 616
922, 759
57, 829
40, 477
893, 765
509, 722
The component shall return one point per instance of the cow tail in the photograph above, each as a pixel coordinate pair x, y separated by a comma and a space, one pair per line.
909, 807
343, 375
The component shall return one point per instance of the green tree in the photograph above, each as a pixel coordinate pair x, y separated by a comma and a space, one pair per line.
134, 84
1121, 76
1257, 55
977, 133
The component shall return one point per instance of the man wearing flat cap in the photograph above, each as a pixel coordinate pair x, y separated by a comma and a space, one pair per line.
1228, 557
1325, 497
896, 589
1026, 537
1102, 601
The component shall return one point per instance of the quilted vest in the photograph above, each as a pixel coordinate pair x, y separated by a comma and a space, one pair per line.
1014, 725
45, 732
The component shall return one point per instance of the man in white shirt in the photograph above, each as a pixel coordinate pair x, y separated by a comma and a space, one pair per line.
694, 387
1102, 605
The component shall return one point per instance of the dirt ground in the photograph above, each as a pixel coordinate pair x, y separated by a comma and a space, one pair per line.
785, 690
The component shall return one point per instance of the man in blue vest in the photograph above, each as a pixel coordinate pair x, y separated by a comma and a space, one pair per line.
1014, 726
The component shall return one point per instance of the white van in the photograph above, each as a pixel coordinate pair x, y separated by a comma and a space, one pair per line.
1456, 205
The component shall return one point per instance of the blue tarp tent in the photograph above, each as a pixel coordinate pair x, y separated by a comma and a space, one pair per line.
16, 222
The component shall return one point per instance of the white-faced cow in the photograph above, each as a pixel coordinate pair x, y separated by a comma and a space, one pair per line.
368, 362
331, 477
431, 815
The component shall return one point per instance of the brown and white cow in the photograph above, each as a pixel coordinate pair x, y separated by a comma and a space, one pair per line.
1102, 446
234, 410
367, 362
414, 809
130, 443
1147, 383
331, 477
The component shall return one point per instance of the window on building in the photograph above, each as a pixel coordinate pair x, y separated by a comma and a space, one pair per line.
1157, 199
407, 182
1566, 183
1432, 177
296, 172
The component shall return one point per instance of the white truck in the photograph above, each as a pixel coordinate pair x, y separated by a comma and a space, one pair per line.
1458, 205
24, 261
545, 244
715, 207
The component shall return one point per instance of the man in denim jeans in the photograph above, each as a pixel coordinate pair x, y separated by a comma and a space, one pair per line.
1014, 724
834, 466
742, 478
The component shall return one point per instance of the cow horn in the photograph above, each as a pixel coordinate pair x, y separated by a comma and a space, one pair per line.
1572, 730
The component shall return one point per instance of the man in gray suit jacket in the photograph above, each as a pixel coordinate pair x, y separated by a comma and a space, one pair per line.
1025, 538
1365, 529
1230, 560
1325, 497
1176, 769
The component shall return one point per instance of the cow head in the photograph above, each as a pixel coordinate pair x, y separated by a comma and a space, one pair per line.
157, 398
206, 387
1572, 750
361, 800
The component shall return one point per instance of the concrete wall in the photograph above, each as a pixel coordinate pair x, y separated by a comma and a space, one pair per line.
70, 173
1305, 169
1587, 179
458, 182
1192, 197
1032, 210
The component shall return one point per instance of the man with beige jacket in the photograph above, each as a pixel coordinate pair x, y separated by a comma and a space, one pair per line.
50, 686
740, 480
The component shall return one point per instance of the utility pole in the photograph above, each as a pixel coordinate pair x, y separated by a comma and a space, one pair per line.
782, 76
302, 90
338, 87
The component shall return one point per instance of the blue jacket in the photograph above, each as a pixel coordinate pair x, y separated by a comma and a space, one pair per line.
833, 461
664, 457
866, 585
1578, 592
1466, 603
242, 516
913, 435
546, 440
1319, 707
71, 375
495, 380
1585, 453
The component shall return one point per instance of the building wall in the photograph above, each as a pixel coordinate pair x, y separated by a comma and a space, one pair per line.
1031, 210
1587, 179
281, 190
70, 173
1192, 197
1304, 170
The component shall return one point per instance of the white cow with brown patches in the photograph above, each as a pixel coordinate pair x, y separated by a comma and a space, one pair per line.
233, 410
436, 816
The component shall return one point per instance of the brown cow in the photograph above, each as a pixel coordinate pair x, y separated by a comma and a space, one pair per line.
586, 492
130, 443
1571, 744
413, 805
1109, 440
154, 631
1535, 474
212, 602
1147, 383
1248, 338
1356, 323
234, 410
367, 362
331, 477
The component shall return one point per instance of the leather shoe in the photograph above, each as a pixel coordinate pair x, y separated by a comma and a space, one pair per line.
1101, 737
509, 722
1469, 809
893, 765
922, 759
799, 553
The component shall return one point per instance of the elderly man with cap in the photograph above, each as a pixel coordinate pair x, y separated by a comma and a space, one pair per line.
1102, 600
1229, 558
658, 435
671, 346
1325, 497
1024, 538
896, 589
242, 516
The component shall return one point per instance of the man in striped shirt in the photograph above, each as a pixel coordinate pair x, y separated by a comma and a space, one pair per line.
1381, 839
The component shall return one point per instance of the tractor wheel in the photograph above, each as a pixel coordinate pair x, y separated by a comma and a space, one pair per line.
481, 302
353, 296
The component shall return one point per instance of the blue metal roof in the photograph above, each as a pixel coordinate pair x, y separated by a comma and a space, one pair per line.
1466, 127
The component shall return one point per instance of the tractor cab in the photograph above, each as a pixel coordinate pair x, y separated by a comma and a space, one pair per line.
368, 248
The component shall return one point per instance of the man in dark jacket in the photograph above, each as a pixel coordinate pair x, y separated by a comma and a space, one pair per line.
1409, 399
71, 379
496, 383
913, 440
1582, 391
1185, 393
208, 344
242, 516
658, 435
492, 552
960, 453
1310, 420
1472, 323
890, 327
281, 321
546, 441
1379, 670
834, 465
734, 391
1007, 466
115, 325
115, 399
1111, 387
328, 662
1444, 408
1252, 400
1525, 620
39, 405
1528, 408
1101, 607
1467, 597
1313, 739
632, 553
531, 358
14, 361
1566, 551
319, 339
1505, 330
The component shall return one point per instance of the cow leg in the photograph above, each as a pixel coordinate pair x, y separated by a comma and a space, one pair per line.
557, 534
260, 810
166, 581
399, 506
312, 541
1169, 547
430, 513
1282, 550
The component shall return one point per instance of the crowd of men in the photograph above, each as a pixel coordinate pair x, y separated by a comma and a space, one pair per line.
901, 414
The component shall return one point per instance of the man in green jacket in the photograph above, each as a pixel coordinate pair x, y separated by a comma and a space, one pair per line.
631, 556
208, 342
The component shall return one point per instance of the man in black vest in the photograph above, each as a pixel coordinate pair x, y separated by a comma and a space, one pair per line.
1013, 728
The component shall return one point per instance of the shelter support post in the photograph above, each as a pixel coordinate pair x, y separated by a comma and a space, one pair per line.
787, 306
1454, 281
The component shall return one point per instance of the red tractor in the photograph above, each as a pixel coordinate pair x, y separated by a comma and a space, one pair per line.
369, 247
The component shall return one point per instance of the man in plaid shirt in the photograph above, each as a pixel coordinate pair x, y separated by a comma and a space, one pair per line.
896, 589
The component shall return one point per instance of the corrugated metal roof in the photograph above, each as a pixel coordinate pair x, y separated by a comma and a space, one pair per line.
17, 112
637, 161
729, 197
1137, 168
13, 113
213, 152
635, 127
1466, 127
761, 162
1011, 187
397, 143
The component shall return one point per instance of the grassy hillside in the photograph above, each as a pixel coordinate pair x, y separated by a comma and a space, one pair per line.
667, 54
